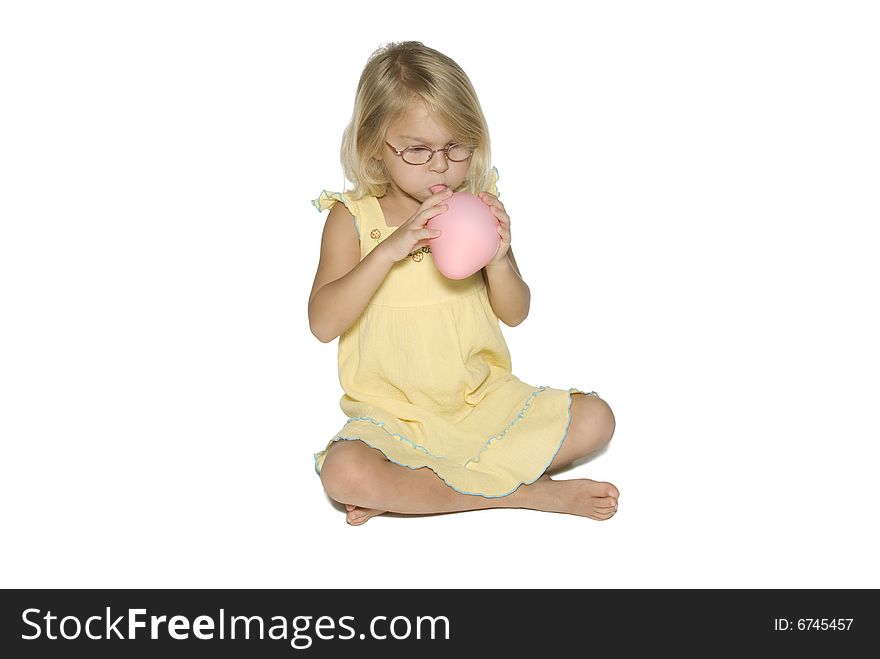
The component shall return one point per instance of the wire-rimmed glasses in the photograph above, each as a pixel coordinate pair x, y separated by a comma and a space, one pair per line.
421, 155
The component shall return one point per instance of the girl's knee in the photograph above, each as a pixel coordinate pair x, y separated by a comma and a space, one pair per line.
338, 469
345, 473
608, 422
597, 419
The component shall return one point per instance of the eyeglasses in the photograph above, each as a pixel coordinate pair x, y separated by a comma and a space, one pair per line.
421, 155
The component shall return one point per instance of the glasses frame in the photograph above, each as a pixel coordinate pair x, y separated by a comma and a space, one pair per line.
445, 151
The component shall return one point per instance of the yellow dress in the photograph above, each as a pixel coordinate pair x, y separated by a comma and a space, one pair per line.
427, 376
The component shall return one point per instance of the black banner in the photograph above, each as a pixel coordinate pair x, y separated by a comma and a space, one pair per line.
317, 623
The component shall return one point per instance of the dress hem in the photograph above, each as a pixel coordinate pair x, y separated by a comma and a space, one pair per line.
491, 440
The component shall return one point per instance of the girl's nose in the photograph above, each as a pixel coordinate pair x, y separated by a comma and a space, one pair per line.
439, 162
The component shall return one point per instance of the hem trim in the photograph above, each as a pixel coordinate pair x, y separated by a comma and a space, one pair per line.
341, 437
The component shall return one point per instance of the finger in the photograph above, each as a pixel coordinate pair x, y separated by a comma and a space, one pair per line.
429, 204
419, 245
421, 218
423, 238
491, 200
500, 213
427, 233
436, 198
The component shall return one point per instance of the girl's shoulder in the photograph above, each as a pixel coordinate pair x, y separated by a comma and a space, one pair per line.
343, 208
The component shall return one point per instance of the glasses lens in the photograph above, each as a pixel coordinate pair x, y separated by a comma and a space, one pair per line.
416, 155
459, 152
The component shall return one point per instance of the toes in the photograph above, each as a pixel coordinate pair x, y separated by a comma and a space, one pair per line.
604, 502
604, 507
603, 490
357, 516
602, 515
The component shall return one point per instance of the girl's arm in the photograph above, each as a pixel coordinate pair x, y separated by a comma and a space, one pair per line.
343, 283
509, 295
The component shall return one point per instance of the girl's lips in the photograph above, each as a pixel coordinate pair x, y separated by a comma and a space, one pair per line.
437, 188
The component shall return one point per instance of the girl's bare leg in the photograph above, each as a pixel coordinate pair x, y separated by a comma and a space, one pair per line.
590, 429
362, 478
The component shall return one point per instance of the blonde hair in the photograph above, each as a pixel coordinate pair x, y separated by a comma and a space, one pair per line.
395, 76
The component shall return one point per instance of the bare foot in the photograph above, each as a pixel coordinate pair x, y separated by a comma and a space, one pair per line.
357, 516
580, 496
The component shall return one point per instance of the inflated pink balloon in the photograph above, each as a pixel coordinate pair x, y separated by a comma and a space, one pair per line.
470, 236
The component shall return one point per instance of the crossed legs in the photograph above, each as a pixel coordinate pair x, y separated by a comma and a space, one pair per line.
361, 478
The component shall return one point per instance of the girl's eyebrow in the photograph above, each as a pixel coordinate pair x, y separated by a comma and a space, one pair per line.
415, 139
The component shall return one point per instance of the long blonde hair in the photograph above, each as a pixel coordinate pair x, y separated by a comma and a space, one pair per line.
395, 76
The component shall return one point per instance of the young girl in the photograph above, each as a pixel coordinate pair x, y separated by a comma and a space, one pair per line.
437, 421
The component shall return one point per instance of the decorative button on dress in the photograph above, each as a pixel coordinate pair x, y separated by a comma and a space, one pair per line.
427, 376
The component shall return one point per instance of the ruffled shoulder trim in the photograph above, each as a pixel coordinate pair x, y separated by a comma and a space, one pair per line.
492, 187
327, 199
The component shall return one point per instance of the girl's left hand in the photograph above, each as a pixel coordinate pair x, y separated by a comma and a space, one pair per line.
498, 211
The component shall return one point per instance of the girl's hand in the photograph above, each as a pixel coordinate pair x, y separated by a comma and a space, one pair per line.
412, 235
498, 211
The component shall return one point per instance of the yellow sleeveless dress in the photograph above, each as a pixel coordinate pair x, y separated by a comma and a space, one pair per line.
427, 376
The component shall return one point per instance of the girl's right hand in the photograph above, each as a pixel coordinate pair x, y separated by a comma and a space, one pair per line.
412, 235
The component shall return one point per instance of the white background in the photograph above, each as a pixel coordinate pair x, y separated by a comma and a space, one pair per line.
694, 194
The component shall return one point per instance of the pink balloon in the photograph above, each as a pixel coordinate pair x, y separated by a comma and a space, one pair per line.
470, 236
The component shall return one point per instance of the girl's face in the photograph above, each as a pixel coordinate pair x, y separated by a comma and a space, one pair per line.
416, 127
